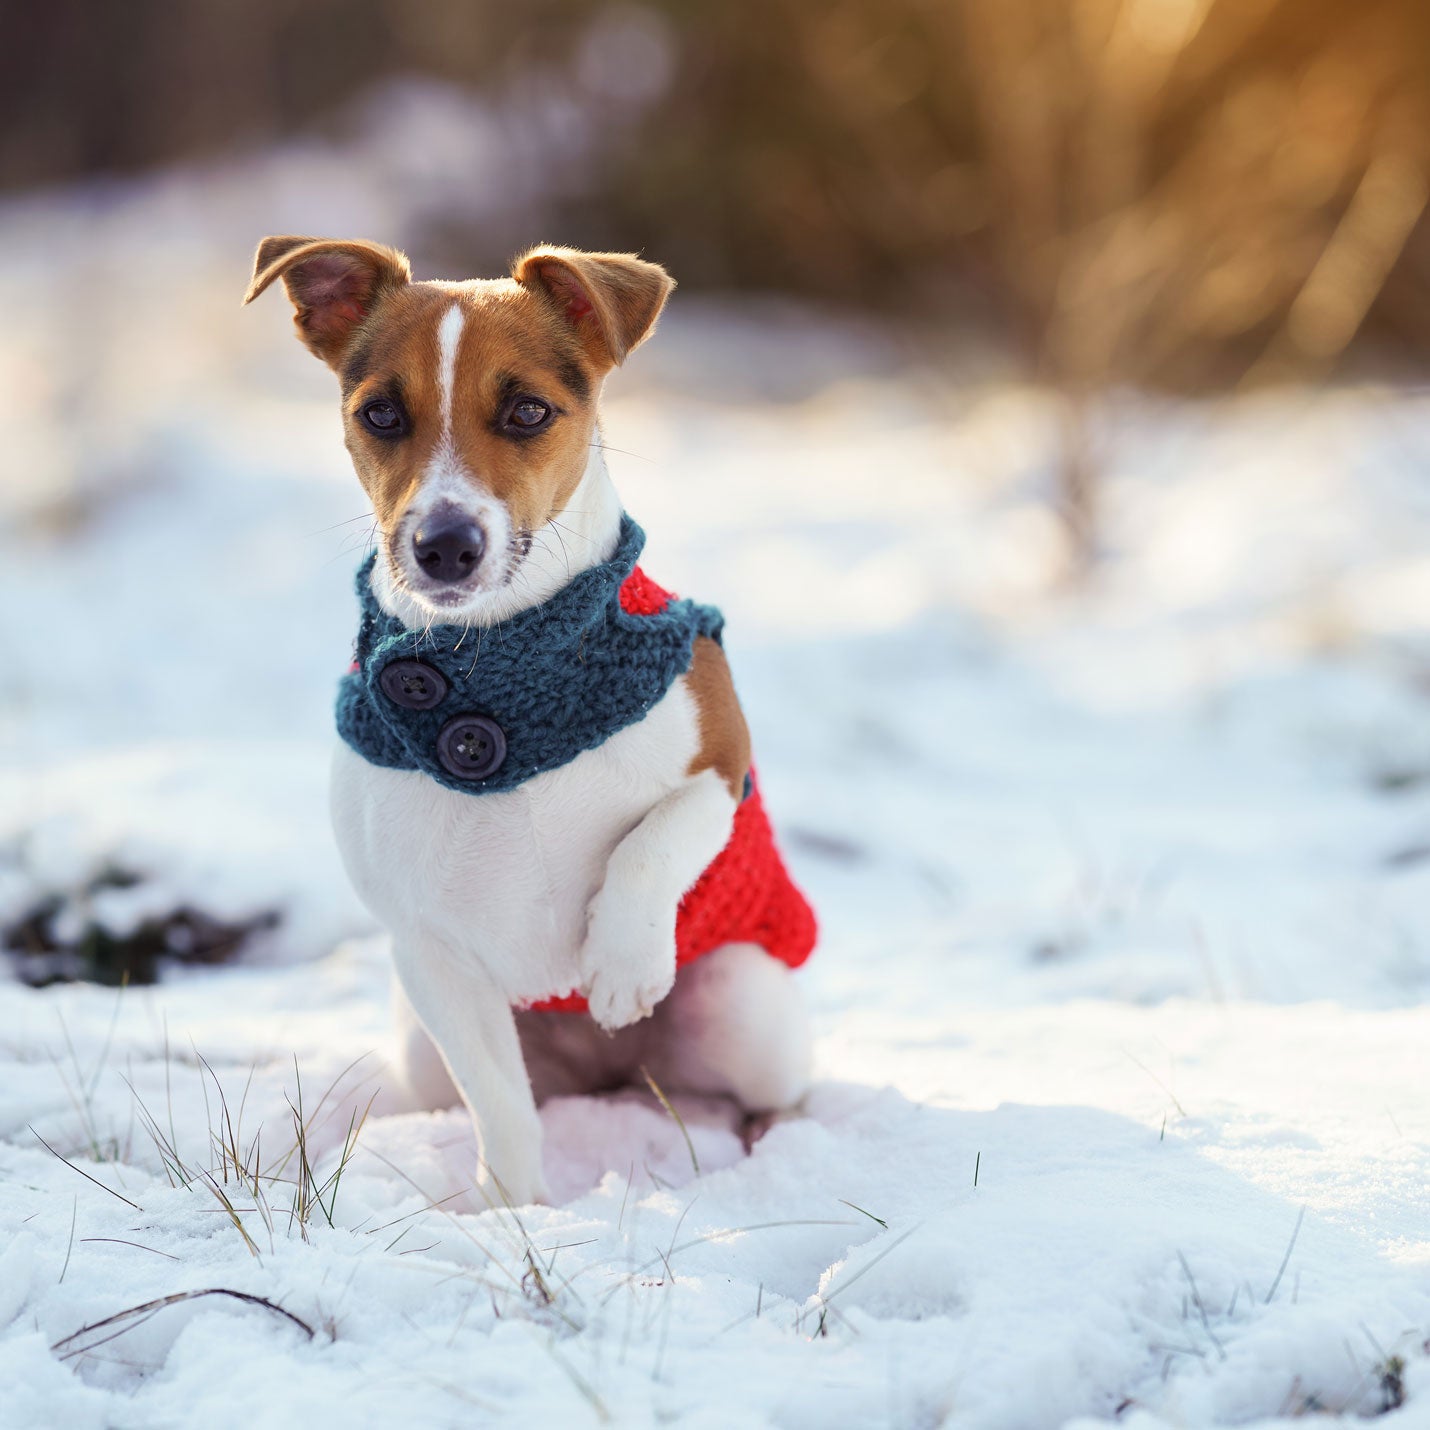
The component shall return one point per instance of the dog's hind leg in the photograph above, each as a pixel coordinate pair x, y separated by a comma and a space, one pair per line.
735, 1023
470, 1021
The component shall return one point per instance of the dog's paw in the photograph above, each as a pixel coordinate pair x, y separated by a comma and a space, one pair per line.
617, 1000
627, 964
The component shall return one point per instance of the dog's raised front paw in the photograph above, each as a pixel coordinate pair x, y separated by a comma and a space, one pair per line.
616, 1001
627, 965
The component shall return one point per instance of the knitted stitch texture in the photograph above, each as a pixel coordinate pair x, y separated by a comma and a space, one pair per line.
745, 894
588, 662
558, 678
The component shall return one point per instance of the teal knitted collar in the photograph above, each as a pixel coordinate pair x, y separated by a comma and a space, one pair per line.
483, 710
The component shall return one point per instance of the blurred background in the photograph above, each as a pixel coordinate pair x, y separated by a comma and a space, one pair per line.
1189, 194
1044, 391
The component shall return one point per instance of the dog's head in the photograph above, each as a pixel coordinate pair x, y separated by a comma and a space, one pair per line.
469, 408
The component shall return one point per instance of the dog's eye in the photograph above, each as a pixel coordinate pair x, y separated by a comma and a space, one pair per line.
527, 414
382, 417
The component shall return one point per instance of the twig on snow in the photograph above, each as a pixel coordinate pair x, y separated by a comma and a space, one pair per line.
150, 1307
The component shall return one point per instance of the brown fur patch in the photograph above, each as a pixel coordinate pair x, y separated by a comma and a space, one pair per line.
549, 332
333, 284
610, 300
724, 736
396, 356
511, 343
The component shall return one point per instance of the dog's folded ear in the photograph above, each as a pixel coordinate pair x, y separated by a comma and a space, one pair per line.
333, 284
611, 299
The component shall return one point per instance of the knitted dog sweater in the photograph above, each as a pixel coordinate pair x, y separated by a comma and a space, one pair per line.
482, 711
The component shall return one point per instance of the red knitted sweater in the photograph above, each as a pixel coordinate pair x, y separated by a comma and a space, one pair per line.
746, 894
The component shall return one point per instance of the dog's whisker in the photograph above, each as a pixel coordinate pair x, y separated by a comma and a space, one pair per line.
323, 530
558, 527
565, 555
607, 448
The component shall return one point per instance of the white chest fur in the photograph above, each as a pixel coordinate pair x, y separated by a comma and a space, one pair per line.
505, 880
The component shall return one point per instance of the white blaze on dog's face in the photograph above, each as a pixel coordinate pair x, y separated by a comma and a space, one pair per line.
469, 408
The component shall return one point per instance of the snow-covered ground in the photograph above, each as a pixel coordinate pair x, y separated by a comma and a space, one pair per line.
1123, 1032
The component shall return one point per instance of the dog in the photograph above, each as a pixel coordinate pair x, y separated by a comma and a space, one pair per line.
543, 788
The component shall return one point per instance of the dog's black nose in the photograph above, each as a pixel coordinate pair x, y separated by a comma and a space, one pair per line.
450, 552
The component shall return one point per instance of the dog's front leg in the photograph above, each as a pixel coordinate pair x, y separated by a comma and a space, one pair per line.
470, 1020
628, 958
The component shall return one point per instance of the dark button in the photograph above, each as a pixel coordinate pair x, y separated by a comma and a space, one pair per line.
471, 747
412, 684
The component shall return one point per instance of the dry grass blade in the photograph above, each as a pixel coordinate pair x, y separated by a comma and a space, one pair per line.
864, 1270
350, 1141
74, 1217
583, 1386
311, 1120
165, 1144
407, 1216
1201, 1307
525, 1248
675, 1116
1132, 1057
301, 1207
437, 1205
232, 1213
82, 1172
126, 1319
309, 1192
854, 1206
729, 1231
138, 1245
1286, 1260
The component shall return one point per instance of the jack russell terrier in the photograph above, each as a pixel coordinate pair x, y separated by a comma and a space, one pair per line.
543, 786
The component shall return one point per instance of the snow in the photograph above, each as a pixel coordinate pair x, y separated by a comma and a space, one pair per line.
1122, 995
